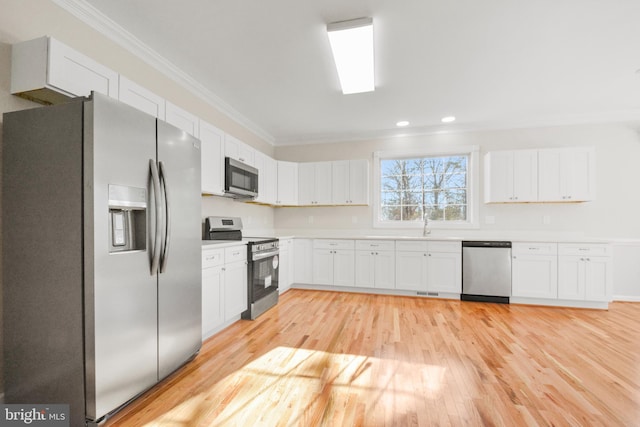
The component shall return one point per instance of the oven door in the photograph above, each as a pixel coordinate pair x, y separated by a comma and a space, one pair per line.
263, 275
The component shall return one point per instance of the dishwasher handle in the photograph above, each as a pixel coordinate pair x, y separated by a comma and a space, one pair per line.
485, 244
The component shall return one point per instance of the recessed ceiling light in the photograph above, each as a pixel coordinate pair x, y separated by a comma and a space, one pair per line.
352, 47
402, 123
448, 119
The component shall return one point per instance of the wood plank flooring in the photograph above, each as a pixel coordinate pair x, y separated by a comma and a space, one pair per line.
342, 359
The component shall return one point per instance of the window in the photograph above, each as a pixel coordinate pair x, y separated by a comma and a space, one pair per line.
436, 185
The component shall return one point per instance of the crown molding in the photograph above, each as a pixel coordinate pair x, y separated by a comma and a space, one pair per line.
109, 28
631, 117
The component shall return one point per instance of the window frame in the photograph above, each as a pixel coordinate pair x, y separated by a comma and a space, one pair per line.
473, 176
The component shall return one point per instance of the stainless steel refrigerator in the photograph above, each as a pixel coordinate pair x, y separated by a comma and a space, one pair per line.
101, 234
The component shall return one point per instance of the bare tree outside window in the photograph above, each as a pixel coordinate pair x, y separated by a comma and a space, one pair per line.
436, 186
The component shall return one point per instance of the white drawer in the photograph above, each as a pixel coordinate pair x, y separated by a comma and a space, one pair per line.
379, 245
212, 257
439, 246
235, 253
333, 244
411, 245
595, 249
535, 248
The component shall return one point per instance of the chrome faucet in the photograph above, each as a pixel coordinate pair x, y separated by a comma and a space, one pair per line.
425, 228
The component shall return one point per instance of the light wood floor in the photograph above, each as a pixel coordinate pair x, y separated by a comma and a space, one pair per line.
340, 359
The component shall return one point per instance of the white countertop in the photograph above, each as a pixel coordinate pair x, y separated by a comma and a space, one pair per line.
501, 236
218, 244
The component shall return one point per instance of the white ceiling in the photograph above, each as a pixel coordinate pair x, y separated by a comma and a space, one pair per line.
490, 63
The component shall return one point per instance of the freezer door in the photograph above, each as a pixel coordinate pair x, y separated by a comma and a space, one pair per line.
120, 293
180, 280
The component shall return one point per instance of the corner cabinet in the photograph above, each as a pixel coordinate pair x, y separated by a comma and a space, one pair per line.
49, 71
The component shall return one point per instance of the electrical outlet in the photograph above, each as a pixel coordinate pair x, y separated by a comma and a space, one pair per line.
354, 219
489, 219
546, 219
310, 219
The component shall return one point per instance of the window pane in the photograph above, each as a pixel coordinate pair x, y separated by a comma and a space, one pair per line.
435, 185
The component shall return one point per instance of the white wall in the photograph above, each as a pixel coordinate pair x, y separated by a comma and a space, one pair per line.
612, 215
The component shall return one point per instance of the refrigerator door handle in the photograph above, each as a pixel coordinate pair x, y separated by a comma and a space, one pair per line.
155, 179
167, 225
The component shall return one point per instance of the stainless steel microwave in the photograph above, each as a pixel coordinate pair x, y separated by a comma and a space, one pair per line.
240, 179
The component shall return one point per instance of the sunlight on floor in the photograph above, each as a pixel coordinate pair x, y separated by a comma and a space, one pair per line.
291, 386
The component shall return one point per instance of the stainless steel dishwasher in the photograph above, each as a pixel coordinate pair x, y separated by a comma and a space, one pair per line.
486, 271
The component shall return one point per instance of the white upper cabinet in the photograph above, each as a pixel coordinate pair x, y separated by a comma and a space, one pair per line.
182, 119
47, 70
267, 178
567, 175
545, 175
511, 176
143, 99
350, 182
212, 158
287, 183
314, 183
238, 150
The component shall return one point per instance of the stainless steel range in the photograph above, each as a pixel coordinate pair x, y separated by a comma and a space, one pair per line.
262, 263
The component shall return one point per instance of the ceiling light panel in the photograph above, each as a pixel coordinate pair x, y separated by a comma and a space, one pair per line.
352, 47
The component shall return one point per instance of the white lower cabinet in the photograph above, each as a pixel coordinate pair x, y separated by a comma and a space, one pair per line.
212, 296
303, 265
224, 287
333, 262
534, 270
411, 268
444, 267
235, 281
429, 266
585, 272
286, 269
375, 264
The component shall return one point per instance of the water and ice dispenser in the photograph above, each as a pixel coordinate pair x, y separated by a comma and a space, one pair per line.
127, 218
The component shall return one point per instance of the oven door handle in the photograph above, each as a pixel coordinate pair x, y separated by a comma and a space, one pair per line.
263, 255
